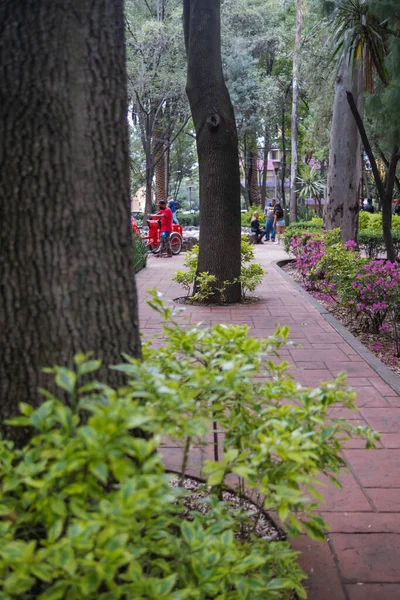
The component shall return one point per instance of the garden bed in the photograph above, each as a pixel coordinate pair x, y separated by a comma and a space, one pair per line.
380, 344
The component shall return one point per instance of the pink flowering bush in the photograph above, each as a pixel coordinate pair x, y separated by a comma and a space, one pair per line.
376, 292
308, 249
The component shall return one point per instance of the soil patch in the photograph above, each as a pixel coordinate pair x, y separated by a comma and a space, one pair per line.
187, 301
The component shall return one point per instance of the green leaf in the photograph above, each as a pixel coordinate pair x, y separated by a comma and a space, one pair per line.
89, 367
100, 471
56, 592
65, 379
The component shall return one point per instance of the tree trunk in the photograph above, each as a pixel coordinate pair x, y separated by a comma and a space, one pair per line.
295, 106
217, 146
66, 245
161, 190
265, 167
342, 201
254, 187
149, 180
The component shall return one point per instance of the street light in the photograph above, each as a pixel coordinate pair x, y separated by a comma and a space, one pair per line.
190, 195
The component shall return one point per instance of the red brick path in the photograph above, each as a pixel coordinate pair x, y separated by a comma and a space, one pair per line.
361, 558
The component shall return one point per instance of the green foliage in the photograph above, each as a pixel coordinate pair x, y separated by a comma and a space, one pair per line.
298, 229
139, 253
340, 267
373, 244
246, 218
204, 283
373, 222
312, 185
87, 510
189, 220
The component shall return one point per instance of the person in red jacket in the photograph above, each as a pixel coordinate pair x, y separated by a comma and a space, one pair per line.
165, 215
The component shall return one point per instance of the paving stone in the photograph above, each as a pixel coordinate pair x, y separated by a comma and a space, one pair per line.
328, 356
373, 591
362, 522
390, 440
359, 368
351, 498
367, 557
385, 500
376, 468
368, 396
383, 420
318, 562
382, 387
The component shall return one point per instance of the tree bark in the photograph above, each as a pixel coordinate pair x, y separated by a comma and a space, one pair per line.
217, 146
344, 171
160, 156
267, 145
385, 190
254, 187
295, 107
65, 241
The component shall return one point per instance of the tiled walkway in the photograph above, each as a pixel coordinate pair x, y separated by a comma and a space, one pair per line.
361, 558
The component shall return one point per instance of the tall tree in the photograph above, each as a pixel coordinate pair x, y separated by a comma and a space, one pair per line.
359, 40
295, 108
344, 173
65, 240
217, 146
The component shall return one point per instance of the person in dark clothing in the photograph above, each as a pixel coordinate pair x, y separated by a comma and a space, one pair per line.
397, 208
368, 206
256, 229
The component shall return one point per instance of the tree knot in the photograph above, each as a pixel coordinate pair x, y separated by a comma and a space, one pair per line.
213, 121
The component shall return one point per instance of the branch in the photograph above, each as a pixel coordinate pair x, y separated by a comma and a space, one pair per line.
169, 144
367, 145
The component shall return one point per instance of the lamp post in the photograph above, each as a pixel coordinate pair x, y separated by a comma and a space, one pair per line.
190, 195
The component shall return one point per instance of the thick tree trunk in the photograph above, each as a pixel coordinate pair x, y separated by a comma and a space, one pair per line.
295, 108
217, 146
66, 246
344, 172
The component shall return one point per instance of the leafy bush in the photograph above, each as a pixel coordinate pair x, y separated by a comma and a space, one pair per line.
246, 217
87, 510
373, 244
373, 222
297, 230
203, 284
192, 219
139, 254
339, 266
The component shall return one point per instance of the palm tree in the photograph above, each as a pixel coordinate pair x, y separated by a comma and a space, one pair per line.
312, 184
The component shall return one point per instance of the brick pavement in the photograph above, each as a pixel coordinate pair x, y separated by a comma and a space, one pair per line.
360, 559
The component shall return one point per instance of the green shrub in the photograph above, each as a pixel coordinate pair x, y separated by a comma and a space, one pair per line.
202, 285
373, 222
86, 508
246, 217
192, 219
340, 266
139, 253
373, 244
